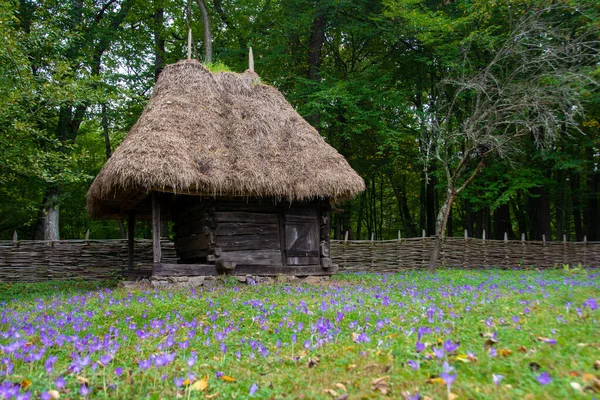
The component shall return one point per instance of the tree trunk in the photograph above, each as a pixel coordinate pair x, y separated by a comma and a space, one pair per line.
430, 204
315, 47
502, 222
440, 227
207, 34
51, 210
575, 195
159, 40
361, 204
106, 130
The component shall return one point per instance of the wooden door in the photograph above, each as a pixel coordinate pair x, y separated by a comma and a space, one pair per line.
301, 237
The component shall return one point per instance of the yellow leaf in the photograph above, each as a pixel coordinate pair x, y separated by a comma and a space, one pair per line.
186, 382
201, 384
351, 367
54, 394
504, 352
211, 396
227, 378
331, 392
341, 386
25, 383
438, 380
452, 396
462, 357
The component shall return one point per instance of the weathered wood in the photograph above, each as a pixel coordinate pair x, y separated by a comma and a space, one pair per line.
245, 217
256, 257
237, 228
156, 227
303, 261
326, 262
298, 270
161, 269
130, 239
225, 266
281, 235
249, 242
191, 243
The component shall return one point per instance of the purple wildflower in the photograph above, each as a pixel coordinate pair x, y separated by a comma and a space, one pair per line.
439, 352
497, 378
420, 347
413, 364
449, 346
118, 371
105, 359
84, 390
219, 374
178, 381
60, 382
543, 378
591, 303
253, 389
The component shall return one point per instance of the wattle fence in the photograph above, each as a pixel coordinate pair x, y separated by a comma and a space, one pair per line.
31, 261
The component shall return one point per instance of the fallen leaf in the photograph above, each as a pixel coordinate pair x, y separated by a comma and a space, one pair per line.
577, 386
463, 357
312, 362
341, 386
522, 349
211, 396
504, 352
330, 392
82, 381
542, 338
342, 397
201, 384
25, 383
351, 367
597, 365
489, 343
186, 382
574, 374
228, 378
436, 380
452, 396
529, 396
588, 378
54, 394
379, 384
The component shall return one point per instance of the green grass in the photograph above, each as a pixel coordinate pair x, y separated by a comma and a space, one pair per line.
356, 329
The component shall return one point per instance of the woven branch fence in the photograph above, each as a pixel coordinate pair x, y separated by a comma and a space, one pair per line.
414, 253
31, 261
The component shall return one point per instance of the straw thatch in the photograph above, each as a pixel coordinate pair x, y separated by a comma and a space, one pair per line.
221, 134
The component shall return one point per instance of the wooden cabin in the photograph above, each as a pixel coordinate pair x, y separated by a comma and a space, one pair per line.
244, 181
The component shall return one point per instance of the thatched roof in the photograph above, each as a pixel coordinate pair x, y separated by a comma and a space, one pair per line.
221, 134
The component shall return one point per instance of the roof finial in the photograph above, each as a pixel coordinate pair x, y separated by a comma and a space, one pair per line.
189, 44
250, 60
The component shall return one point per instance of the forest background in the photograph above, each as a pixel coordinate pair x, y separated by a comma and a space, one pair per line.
75, 76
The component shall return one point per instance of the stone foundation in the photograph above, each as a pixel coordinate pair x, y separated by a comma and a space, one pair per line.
220, 281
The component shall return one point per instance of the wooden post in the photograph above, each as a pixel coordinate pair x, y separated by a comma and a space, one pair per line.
564, 238
156, 228
483, 235
345, 236
466, 234
505, 237
424, 233
372, 236
87, 235
544, 239
250, 60
522, 237
15, 239
399, 235
130, 239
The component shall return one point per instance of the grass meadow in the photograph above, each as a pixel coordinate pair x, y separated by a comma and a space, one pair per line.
456, 334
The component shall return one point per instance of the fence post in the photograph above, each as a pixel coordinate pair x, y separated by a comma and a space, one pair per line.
346, 237
465, 250
15, 239
506, 250
483, 235
398, 260
87, 236
585, 250
565, 260
424, 233
399, 235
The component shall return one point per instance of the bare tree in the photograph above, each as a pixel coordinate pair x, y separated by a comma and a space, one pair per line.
532, 86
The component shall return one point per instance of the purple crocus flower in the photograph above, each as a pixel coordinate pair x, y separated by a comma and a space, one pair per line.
447, 374
544, 378
253, 389
84, 390
60, 382
550, 341
591, 303
46, 396
497, 378
219, 374
178, 381
23, 396
118, 371
420, 347
439, 352
105, 359
413, 364
449, 346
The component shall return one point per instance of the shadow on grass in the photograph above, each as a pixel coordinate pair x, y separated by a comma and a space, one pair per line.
30, 291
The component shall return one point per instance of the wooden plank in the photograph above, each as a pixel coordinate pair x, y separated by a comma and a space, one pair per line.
247, 217
156, 227
191, 243
237, 228
249, 242
303, 260
130, 239
162, 269
255, 257
299, 270
281, 234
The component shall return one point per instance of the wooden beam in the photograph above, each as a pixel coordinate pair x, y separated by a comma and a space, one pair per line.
130, 239
156, 227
